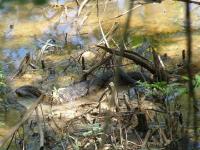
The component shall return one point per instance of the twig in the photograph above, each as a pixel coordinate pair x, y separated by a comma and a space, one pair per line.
138, 137
10, 141
159, 67
77, 2
104, 37
126, 139
97, 5
101, 99
105, 6
82, 5
109, 33
40, 129
124, 13
114, 98
146, 138
87, 72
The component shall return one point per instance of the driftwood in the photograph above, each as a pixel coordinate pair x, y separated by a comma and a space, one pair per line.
24, 119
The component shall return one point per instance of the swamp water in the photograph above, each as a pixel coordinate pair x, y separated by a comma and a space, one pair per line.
26, 27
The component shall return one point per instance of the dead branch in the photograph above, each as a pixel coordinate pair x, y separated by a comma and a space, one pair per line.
87, 72
25, 118
138, 60
114, 102
102, 33
110, 33
159, 67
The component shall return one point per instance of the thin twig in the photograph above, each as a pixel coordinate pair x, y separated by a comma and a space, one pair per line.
82, 5
126, 12
40, 129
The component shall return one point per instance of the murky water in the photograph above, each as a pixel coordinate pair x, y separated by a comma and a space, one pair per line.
26, 27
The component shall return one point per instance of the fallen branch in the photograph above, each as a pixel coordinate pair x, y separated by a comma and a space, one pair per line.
25, 118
